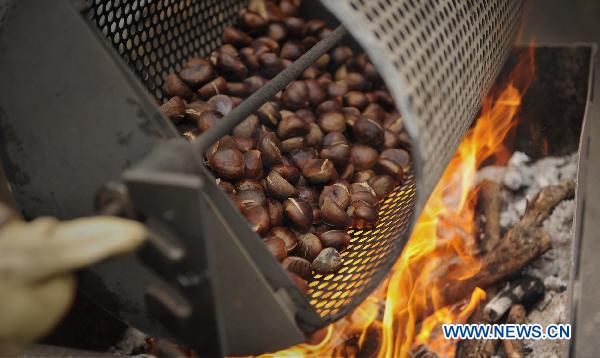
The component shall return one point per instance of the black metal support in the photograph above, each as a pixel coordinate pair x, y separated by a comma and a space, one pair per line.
260, 97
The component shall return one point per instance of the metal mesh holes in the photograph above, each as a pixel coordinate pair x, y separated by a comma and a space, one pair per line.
371, 254
155, 37
439, 59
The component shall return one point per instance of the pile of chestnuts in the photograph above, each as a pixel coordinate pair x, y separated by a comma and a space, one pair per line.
316, 159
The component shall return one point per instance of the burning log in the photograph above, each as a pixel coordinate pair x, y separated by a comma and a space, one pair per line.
490, 202
519, 246
477, 348
525, 291
514, 347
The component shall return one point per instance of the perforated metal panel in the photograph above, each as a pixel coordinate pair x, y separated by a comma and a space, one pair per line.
369, 257
154, 37
439, 59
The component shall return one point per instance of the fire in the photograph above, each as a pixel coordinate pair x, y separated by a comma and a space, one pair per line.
442, 247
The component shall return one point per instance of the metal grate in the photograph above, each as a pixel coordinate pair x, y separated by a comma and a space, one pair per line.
154, 37
368, 258
439, 59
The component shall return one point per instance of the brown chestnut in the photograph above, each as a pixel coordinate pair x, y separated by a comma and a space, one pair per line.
278, 187
288, 172
334, 138
329, 106
337, 192
198, 73
347, 172
248, 184
298, 265
383, 185
363, 176
277, 32
231, 67
386, 166
221, 103
286, 235
276, 247
174, 86
307, 115
255, 83
238, 89
275, 210
270, 65
337, 89
252, 22
319, 171
214, 87
363, 157
295, 26
253, 164
356, 99
332, 214
337, 239
295, 96
270, 147
301, 156
316, 94
362, 215
398, 156
292, 126
292, 144
309, 246
174, 108
339, 154
390, 139
314, 27
375, 112
328, 260
292, 50
311, 73
258, 217
299, 213
332, 122
308, 194
235, 37
340, 55
368, 131
250, 198
247, 127
269, 114
314, 137
357, 82
245, 144
228, 164
226, 186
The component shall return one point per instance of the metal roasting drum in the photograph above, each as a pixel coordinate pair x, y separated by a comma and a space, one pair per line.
76, 112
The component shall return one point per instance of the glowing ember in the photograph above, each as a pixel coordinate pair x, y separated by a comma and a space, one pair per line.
442, 248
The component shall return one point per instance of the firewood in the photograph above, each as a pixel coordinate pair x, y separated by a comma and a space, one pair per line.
519, 246
541, 206
514, 347
490, 204
525, 291
478, 348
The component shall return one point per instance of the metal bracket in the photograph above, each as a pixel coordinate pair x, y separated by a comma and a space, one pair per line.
212, 306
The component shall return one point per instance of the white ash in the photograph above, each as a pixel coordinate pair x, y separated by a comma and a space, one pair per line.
132, 343
522, 179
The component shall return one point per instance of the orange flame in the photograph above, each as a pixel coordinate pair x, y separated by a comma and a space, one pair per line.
442, 246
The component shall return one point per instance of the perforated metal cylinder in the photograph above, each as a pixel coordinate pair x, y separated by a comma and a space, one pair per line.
437, 57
